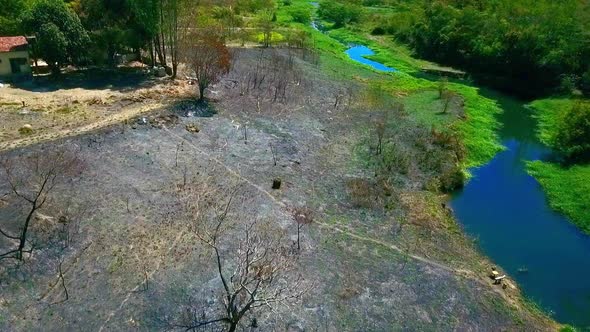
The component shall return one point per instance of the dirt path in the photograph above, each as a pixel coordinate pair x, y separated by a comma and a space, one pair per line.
468, 274
119, 117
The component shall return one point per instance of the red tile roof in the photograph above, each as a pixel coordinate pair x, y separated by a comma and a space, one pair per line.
8, 44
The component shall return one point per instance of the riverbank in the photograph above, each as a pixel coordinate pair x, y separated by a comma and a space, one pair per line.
567, 187
477, 129
419, 207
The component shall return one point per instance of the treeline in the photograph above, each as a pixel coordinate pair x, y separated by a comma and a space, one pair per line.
526, 46
83, 32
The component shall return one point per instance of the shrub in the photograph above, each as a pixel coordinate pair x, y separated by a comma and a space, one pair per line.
300, 15
567, 84
339, 13
572, 136
395, 158
361, 193
378, 31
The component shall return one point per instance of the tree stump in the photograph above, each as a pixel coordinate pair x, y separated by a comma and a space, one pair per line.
276, 184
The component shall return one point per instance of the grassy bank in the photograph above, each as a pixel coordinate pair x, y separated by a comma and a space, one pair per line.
477, 130
567, 187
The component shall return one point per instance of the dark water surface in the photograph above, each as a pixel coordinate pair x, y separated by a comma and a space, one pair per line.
506, 210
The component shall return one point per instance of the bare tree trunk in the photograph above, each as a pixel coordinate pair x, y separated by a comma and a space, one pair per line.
174, 38
298, 232
162, 42
158, 50
23, 236
152, 53
202, 87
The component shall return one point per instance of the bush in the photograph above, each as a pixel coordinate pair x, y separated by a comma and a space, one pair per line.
567, 84
572, 136
300, 15
378, 31
339, 13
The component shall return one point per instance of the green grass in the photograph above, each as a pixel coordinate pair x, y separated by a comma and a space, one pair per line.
426, 108
547, 113
568, 189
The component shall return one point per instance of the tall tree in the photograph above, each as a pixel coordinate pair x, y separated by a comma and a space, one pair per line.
208, 58
52, 45
53, 19
122, 25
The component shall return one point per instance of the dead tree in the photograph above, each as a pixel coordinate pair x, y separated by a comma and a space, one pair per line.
258, 272
380, 127
447, 99
32, 179
303, 216
209, 59
443, 83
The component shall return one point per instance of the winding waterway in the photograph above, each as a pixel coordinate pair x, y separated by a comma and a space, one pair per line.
506, 211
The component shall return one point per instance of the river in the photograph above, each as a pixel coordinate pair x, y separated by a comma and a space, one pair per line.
507, 212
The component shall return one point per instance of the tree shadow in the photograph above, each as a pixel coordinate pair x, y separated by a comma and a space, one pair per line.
190, 107
118, 79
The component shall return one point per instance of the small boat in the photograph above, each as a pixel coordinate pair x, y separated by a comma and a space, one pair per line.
522, 270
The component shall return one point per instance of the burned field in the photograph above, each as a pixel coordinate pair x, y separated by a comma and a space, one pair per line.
120, 244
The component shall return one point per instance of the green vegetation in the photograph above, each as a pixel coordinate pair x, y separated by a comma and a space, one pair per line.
564, 124
567, 188
477, 131
9, 11
527, 47
60, 33
340, 13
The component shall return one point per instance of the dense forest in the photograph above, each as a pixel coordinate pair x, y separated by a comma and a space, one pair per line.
524, 46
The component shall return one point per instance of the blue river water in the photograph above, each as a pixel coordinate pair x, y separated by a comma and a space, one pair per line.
507, 212
358, 53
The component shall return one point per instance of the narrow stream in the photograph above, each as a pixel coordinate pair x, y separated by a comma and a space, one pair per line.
358, 53
507, 212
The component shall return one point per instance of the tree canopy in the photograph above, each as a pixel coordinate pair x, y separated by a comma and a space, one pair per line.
53, 21
523, 45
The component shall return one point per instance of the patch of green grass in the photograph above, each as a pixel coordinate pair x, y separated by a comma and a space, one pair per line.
479, 130
426, 108
568, 189
567, 328
547, 113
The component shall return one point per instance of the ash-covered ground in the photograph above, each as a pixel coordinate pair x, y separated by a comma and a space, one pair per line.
135, 264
